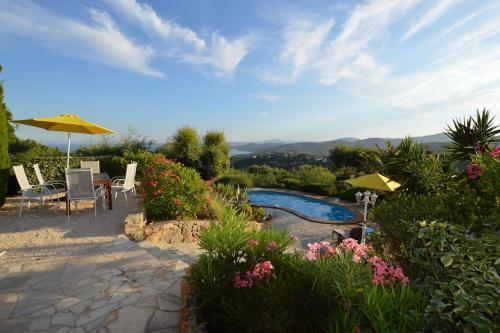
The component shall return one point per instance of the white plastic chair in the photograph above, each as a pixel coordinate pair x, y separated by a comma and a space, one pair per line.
93, 165
31, 192
80, 185
127, 184
55, 186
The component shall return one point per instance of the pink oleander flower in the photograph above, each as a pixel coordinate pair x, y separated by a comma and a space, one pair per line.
241, 282
158, 192
153, 183
271, 246
474, 171
148, 170
495, 153
167, 173
177, 201
261, 271
349, 244
384, 274
320, 250
253, 243
294, 238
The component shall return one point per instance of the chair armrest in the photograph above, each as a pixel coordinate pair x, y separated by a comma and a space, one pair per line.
117, 182
117, 177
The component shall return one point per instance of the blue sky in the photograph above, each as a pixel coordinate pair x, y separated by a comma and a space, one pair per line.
294, 70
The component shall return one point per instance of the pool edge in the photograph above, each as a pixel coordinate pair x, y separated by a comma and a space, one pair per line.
358, 217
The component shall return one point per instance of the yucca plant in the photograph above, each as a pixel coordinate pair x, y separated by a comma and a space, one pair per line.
471, 135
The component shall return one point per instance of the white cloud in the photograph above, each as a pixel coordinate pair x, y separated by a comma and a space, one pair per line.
303, 39
222, 54
266, 97
99, 41
429, 17
149, 19
349, 51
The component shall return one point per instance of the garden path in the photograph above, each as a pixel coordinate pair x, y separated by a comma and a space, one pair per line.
85, 275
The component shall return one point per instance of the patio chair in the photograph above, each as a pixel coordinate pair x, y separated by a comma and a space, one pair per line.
356, 233
54, 186
93, 165
80, 185
127, 184
32, 192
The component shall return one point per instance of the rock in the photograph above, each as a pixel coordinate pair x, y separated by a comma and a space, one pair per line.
62, 319
164, 319
40, 324
130, 319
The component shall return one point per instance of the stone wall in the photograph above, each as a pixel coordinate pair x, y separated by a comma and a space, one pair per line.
165, 232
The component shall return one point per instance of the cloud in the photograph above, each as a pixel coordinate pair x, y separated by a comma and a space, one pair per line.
349, 52
149, 20
429, 17
222, 54
266, 97
99, 41
302, 41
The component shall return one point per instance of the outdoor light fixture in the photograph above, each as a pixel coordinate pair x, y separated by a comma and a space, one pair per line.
365, 198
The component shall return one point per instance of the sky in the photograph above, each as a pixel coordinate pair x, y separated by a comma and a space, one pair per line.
258, 70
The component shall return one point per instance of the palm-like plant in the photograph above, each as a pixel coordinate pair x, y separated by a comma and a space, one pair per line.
471, 135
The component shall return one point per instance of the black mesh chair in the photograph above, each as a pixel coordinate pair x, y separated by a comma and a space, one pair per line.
356, 233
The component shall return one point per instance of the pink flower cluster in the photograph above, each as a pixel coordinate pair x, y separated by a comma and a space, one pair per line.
271, 246
474, 171
384, 274
320, 250
261, 271
360, 250
253, 243
495, 153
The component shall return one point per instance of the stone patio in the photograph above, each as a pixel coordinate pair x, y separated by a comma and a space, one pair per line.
108, 284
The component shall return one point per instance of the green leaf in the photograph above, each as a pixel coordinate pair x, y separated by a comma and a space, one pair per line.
447, 261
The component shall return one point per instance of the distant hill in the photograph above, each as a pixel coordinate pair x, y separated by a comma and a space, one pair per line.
436, 142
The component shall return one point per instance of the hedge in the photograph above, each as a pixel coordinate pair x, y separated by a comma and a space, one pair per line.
52, 168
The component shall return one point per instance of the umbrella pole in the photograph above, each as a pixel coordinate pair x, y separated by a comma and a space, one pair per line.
69, 145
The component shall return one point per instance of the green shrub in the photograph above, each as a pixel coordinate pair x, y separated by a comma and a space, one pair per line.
349, 194
460, 271
237, 178
237, 198
4, 146
172, 191
215, 155
246, 281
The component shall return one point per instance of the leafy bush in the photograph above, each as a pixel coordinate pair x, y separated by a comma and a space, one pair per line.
184, 147
460, 271
247, 282
237, 198
215, 155
237, 178
172, 191
4, 147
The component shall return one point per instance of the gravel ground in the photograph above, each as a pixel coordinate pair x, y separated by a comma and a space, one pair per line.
41, 233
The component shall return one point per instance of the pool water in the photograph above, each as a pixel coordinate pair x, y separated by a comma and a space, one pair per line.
310, 207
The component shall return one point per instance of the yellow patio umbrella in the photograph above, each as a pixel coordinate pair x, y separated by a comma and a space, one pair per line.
70, 123
374, 181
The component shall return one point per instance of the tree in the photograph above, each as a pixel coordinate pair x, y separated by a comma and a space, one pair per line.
471, 135
215, 156
5, 132
185, 147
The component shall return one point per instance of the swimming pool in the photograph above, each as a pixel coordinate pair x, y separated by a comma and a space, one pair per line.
301, 205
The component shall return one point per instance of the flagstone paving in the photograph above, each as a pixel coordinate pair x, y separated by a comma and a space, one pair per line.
87, 278
116, 287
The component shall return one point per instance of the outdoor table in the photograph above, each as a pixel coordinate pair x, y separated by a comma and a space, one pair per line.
99, 179
103, 179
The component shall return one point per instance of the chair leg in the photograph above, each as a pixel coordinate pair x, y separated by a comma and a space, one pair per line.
126, 199
95, 209
103, 198
116, 195
21, 206
29, 204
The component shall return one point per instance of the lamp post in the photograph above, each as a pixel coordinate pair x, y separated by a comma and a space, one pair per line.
365, 198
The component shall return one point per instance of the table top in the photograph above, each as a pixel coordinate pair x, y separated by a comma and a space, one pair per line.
101, 177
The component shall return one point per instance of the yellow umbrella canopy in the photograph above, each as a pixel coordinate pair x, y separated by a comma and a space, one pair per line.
374, 181
70, 123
